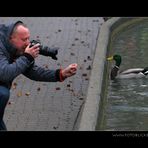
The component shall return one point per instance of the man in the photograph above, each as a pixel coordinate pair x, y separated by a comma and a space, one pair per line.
17, 56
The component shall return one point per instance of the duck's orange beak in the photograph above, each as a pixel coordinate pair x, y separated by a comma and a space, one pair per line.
110, 58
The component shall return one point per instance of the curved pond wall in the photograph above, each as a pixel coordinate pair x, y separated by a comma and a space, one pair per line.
90, 116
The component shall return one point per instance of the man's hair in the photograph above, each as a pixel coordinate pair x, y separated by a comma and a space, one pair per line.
16, 26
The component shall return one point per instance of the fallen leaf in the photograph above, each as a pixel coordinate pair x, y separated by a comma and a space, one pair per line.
58, 88
10, 102
72, 54
84, 74
76, 39
27, 93
19, 94
68, 85
38, 89
81, 98
59, 30
88, 68
88, 57
14, 85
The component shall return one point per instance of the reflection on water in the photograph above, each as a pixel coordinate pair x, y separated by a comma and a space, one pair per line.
127, 106
127, 99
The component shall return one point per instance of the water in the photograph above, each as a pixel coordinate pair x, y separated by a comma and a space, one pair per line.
126, 107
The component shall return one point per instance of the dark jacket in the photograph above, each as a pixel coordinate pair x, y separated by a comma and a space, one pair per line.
12, 66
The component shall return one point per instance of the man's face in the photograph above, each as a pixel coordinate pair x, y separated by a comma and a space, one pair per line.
20, 39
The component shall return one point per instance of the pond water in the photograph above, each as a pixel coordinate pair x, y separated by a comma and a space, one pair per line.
126, 106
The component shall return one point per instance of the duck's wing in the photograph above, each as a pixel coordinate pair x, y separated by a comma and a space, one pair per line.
130, 75
132, 70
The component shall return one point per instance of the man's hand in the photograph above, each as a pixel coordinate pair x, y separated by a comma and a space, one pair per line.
69, 71
33, 51
45, 50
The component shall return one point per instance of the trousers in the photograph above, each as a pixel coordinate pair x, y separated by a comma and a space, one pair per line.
4, 97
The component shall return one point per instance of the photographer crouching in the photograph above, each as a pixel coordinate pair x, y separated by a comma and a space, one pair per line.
17, 56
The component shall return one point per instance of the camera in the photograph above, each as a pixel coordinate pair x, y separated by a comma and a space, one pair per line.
34, 42
44, 50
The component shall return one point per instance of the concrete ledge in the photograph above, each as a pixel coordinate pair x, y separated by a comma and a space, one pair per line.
91, 107
108, 31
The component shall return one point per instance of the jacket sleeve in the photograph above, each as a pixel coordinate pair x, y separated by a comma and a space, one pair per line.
41, 74
9, 71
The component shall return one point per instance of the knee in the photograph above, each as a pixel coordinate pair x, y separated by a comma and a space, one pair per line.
4, 93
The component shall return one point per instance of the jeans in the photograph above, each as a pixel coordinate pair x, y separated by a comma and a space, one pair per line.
4, 97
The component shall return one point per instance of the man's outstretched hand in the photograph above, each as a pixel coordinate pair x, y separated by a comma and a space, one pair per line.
69, 71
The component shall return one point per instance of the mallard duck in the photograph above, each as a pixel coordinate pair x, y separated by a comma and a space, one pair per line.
129, 73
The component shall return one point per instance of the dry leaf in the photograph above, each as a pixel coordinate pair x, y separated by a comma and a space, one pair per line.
14, 85
10, 102
27, 93
58, 88
19, 94
84, 74
38, 89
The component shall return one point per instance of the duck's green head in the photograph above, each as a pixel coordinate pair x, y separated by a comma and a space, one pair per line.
117, 59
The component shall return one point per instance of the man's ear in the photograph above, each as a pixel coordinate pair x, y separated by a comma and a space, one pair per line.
11, 37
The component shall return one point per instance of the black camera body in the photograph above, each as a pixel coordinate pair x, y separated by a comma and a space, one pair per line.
46, 51
34, 42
